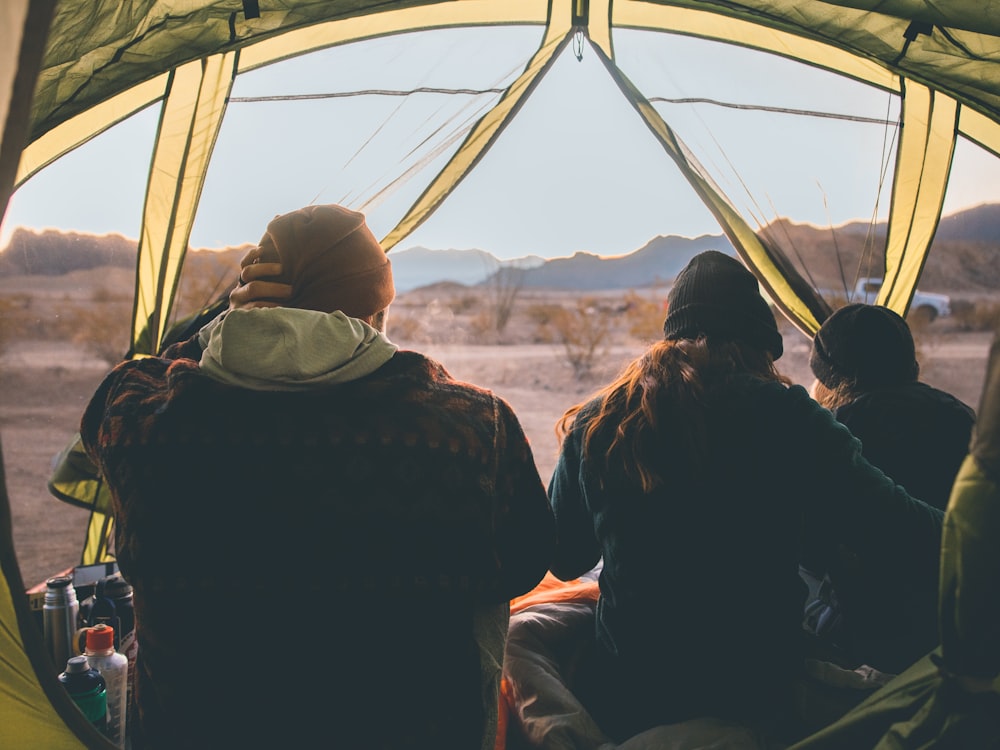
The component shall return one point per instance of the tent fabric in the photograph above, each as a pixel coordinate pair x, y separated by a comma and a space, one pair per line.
69, 70
970, 566
97, 51
35, 710
918, 710
927, 141
192, 115
102, 65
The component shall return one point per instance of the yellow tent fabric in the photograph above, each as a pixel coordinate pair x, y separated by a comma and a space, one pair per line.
102, 66
34, 709
70, 70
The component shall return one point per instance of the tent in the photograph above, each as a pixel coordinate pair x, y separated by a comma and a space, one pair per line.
71, 70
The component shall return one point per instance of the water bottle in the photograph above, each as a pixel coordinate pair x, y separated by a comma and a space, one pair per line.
111, 604
101, 654
87, 689
59, 617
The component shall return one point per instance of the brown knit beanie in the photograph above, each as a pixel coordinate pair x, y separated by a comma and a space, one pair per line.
717, 296
865, 347
331, 259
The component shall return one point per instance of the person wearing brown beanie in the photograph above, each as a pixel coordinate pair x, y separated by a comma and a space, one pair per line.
323, 531
687, 482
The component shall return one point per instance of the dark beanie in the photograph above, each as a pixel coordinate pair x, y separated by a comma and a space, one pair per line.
331, 259
864, 346
715, 295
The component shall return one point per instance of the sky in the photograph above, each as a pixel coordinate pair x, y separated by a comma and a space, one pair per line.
576, 170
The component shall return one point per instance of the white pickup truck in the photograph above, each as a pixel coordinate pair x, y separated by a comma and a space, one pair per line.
926, 304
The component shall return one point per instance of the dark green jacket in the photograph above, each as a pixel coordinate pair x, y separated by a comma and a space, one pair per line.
917, 434
701, 598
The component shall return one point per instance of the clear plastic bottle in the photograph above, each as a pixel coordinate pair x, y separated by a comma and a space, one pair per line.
88, 690
100, 652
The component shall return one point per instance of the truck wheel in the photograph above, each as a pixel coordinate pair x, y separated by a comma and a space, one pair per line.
924, 314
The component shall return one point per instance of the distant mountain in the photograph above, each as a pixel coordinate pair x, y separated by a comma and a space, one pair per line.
964, 258
656, 262
418, 266
53, 253
979, 224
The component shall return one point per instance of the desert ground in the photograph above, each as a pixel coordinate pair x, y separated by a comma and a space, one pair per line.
47, 383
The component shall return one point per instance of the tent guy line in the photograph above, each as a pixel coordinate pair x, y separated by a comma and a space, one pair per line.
479, 92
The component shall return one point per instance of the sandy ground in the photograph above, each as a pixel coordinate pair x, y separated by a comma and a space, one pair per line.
45, 388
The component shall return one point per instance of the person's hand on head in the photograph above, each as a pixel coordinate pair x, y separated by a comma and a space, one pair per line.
254, 290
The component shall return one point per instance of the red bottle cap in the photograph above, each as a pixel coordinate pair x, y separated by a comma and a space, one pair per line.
100, 637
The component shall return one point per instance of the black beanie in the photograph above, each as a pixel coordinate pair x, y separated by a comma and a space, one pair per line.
864, 346
717, 296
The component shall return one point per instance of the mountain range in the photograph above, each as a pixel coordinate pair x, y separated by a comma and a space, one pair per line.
963, 257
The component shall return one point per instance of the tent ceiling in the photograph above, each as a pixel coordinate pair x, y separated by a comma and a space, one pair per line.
97, 49
105, 61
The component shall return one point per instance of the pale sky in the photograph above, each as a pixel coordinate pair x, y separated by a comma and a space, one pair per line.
576, 170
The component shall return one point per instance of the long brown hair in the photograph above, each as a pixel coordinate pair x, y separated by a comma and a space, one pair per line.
832, 398
662, 394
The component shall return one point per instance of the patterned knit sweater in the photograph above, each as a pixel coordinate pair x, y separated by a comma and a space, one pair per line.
316, 564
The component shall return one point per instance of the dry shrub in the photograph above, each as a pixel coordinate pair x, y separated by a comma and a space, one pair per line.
15, 319
482, 326
500, 293
402, 329
464, 303
103, 326
975, 316
543, 314
583, 331
644, 316
197, 291
27, 318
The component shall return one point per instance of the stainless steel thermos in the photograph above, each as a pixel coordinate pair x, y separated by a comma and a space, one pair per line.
59, 618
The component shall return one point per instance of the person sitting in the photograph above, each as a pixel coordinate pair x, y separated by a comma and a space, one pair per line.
691, 477
323, 531
866, 369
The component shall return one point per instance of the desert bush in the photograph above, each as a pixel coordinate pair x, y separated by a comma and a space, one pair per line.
18, 320
103, 326
403, 329
438, 323
544, 313
198, 290
583, 331
644, 316
502, 290
482, 326
464, 303
37, 319
13, 322
975, 316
